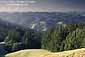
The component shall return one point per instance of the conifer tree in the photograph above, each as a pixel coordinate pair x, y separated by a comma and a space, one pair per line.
52, 40
73, 40
11, 38
26, 39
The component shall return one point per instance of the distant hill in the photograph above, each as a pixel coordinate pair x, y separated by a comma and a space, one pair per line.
43, 20
6, 26
44, 53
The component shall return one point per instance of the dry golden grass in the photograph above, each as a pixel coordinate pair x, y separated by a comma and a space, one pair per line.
45, 53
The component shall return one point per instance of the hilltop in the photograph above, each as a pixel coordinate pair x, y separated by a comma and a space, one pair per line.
45, 53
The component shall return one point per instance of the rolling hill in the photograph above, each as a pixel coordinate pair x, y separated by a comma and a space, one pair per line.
45, 53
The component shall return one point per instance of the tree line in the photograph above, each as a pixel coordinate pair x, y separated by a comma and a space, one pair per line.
59, 38
64, 38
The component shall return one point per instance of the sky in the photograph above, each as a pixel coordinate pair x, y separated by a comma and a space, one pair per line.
42, 5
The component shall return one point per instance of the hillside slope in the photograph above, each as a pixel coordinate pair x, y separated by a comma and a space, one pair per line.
44, 53
40, 20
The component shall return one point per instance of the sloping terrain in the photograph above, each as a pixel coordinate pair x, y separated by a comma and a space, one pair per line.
40, 20
44, 53
28, 53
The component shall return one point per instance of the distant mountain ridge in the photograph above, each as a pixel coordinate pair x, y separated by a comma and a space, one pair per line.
42, 20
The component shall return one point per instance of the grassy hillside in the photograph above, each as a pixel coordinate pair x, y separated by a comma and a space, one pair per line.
28, 53
45, 53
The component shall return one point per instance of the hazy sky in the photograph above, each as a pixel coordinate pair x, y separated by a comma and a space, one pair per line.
41, 5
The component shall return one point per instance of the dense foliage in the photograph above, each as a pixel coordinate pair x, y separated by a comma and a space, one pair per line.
59, 38
64, 38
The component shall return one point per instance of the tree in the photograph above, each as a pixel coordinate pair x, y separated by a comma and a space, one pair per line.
35, 40
52, 40
73, 40
83, 38
26, 39
11, 38
31, 39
